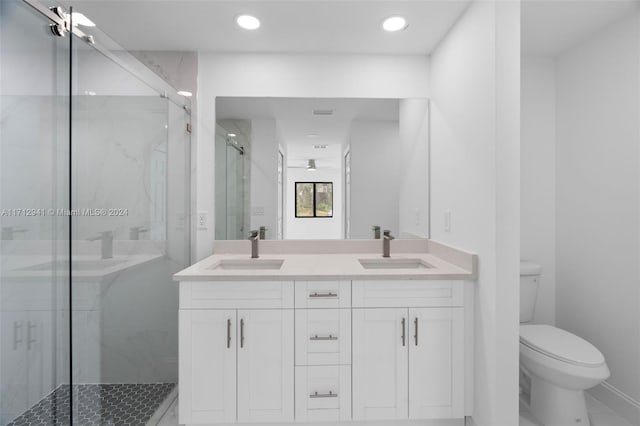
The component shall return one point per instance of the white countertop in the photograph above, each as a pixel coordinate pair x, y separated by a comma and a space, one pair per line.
334, 266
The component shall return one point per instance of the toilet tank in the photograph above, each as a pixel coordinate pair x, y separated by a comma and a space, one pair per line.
529, 280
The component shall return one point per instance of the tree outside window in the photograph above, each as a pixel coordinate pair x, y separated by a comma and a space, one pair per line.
314, 199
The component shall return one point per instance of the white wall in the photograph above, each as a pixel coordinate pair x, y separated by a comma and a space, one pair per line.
264, 176
280, 75
538, 178
414, 173
475, 174
598, 204
313, 228
375, 177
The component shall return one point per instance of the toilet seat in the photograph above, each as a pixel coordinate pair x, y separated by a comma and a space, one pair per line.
560, 345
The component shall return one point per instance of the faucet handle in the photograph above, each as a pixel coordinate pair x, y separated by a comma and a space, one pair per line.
253, 234
387, 234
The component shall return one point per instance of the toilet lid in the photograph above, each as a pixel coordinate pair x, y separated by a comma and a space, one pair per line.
560, 344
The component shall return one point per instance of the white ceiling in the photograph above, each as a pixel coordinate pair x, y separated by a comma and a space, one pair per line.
308, 26
549, 27
295, 122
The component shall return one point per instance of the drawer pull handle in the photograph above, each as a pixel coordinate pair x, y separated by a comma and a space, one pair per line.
415, 336
323, 395
404, 329
323, 295
228, 333
329, 337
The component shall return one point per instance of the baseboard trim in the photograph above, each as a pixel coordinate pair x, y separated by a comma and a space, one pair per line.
623, 404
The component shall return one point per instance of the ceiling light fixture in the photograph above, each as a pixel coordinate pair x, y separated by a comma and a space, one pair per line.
185, 93
231, 135
311, 167
394, 23
248, 22
79, 19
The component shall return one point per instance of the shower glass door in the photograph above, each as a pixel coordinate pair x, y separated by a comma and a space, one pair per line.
95, 220
34, 246
130, 228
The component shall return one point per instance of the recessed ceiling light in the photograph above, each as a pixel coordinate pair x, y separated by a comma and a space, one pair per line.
231, 135
185, 93
248, 22
394, 23
79, 19
312, 135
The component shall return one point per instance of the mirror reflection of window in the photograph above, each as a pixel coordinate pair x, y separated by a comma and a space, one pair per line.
314, 199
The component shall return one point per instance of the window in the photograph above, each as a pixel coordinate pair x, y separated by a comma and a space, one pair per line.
314, 199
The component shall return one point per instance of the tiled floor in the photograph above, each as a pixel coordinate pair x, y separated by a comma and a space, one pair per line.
599, 414
100, 405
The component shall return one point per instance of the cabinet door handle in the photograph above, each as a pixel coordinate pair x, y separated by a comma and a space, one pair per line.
17, 330
228, 333
242, 333
329, 337
30, 341
323, 295
415, 336
404, 328
331, 394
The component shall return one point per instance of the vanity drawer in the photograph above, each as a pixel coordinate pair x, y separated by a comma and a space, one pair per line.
236, 295
323, 393
323, 336
323, 294
407, 293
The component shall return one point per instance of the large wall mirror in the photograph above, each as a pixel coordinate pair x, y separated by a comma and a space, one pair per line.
302, 168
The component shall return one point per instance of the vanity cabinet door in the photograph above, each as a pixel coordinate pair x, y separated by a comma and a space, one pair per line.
436, 363
380, 363
207, 387
265, 365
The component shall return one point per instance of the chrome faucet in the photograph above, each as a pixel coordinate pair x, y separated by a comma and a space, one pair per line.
376, 232
8, 232
135, 231
106, 246
254, 236
386, 243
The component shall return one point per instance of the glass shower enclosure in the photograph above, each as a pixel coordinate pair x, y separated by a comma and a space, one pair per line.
94, 213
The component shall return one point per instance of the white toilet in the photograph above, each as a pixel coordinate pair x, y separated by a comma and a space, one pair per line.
556, 367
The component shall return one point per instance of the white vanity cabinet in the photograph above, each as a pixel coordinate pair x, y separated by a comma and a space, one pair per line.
408, 350
236, 365
318, 351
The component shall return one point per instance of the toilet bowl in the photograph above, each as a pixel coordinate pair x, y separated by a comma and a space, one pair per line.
558, 366
561, 367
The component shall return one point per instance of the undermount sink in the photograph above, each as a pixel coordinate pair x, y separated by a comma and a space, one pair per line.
250, 264
76, 265
391, 263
